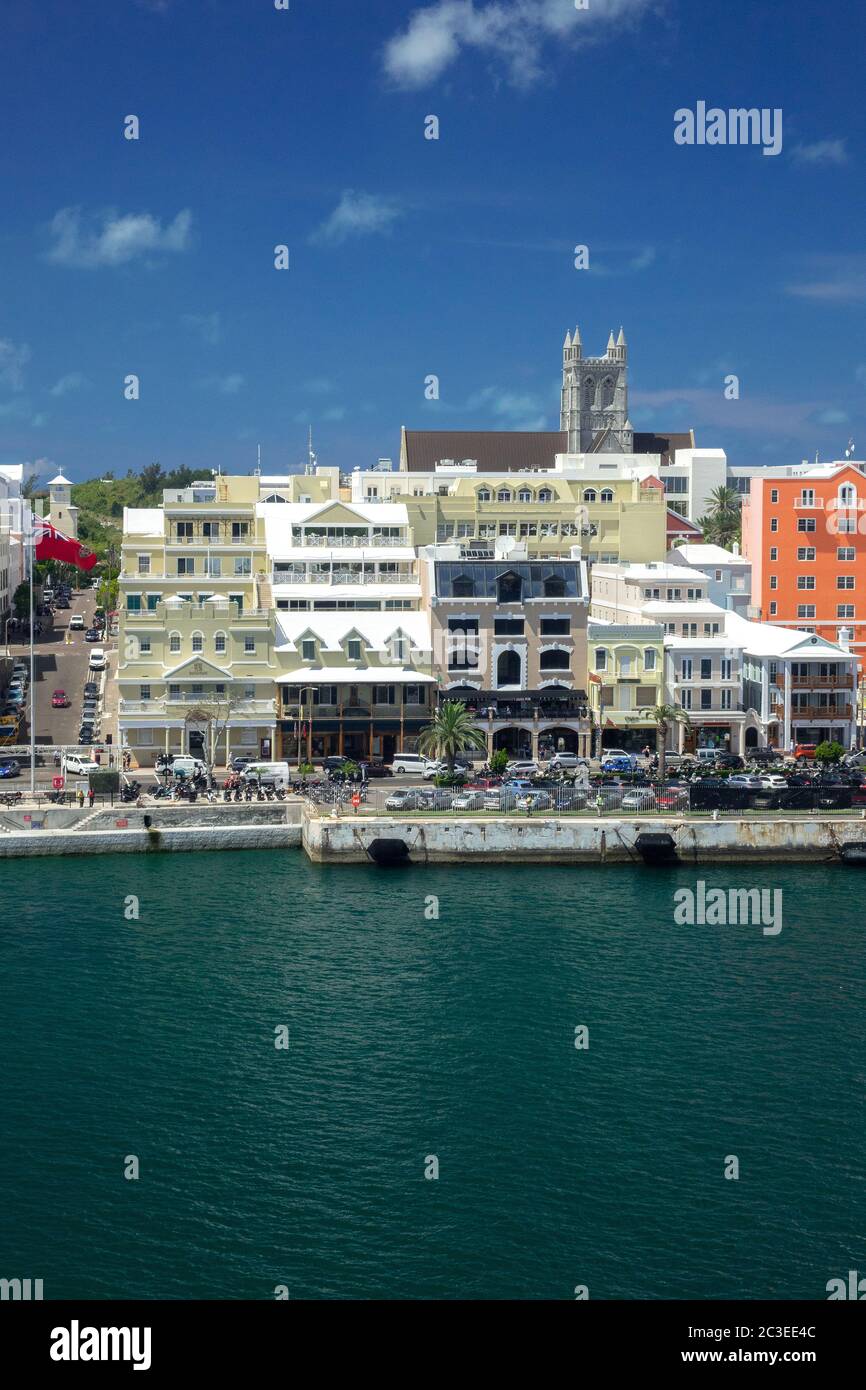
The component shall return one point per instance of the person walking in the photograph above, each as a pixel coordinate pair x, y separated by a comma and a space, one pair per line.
90, 796
80, 798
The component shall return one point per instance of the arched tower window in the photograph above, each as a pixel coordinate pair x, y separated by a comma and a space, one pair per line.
607, 392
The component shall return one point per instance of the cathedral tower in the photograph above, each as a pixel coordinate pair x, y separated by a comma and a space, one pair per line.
594, 409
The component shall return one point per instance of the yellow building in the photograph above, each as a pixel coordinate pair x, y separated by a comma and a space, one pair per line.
626, 682
196, 663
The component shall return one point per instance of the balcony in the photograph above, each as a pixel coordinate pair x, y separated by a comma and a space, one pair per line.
340, 542
801, 504
248, 539
818, 682
342, 577
820, 712
163, 704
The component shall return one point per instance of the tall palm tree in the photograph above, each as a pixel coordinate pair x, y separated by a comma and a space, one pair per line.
452, 730
722, 522
664, 716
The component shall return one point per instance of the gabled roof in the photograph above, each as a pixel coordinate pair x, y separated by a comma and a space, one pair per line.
210, 672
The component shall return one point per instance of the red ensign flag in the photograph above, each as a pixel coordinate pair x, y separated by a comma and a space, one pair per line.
51, 544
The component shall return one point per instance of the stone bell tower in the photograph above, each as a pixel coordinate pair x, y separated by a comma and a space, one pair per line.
594, 409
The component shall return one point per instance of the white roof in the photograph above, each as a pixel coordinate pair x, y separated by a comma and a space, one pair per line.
143, 521
13, 471
766, 639
644, 574
338, 675
682, 607
332, 628
709, 555
60, 481
280, 517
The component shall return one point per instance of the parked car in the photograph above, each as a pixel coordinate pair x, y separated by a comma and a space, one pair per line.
15, 697
622, 762
60, 700
375, 769
184, 765
773, 781
468, 801
749, 780
9, 768
534, 801
75, 765
566, 760
764, 755
412, 763
97, 659
91, 688
615, 753
76, 622
639, 799
405, 799
237, 764
522, 767
805, 752
435, 798
730, 760
673, 796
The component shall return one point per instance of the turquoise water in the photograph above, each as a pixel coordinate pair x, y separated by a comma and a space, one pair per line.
410, 1037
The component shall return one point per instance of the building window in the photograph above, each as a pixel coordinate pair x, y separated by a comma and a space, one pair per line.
384, 695
186, 564
413, 695
606, 495
508, 627
845, 581
686, 699
846, 552
242, 565
249, 692
145, 692
774, 608
590, 495
484, 495
197, 643
144, 564
601, 659
174, 643
686, 668
556, 660
219, 643
805, 552
144, 647
774, 494
805, 610
184, 530
846, 525
503, 495
239, 600
249, 646
133, 603
545, 495
806, 581
353, 649
806, 523
308, 649
844, 610
649, 659
774, 581
706, 668
554, 627
524, 495
398, 649
774, 523
706, 699
727, 699
463, 644
508, 528
174, 692
847, 495
152, 601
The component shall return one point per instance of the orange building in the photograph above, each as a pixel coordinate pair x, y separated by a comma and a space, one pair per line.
805, 534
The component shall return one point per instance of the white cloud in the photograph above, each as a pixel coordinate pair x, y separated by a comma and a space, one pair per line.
821, 152
834, 279
13, 359
358, 214
227, 385
105, 238
513, 32
207, 326
832, 417
72, 381
519, 412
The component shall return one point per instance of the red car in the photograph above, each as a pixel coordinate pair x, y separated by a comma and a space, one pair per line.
805, 750
60, 700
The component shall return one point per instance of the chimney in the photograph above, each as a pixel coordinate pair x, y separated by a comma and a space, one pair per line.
735, 548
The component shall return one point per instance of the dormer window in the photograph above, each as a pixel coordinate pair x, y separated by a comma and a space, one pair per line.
484, 494
524, 495
353, 649
590, 495
503, 495
545, 495
308, 649
606, 495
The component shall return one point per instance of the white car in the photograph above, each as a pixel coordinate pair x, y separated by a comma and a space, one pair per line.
615, 753
76, 622
77, 766
773, 782
522, 768
98, 660
188, 766
412, 763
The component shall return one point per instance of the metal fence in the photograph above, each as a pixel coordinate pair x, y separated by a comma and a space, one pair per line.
652, 799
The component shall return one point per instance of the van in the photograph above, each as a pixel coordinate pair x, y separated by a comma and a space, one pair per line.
706, 755
187, 766
275, 774
76, 621
97, 659
75, 765
412, 763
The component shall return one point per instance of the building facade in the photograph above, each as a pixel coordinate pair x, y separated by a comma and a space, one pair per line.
626, 683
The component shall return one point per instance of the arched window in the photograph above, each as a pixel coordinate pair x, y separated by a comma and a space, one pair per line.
219, 643
524, 495
503, 495
554, 586
463, 586
555, 661
589, 393
508, 669
590, 495
509, 587
198, 642
847, 495
174, 643
606, 495
484, 494
545, 495
607, 392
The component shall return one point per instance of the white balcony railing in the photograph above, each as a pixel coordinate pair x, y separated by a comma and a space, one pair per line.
341, 577
339, 542
164, 704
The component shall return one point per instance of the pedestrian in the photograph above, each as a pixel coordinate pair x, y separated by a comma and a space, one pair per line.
97, 756
90, 796
80, 798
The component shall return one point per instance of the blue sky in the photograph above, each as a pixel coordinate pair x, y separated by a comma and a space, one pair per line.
412, 257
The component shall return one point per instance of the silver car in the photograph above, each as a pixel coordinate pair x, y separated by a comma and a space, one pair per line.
407, 800
533, 801
469, 801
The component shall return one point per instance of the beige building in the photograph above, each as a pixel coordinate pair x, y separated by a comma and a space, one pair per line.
196, 664
626, 682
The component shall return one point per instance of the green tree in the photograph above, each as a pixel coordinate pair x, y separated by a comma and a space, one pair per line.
21, 600
663, 717
452, 730
722, 523
829, 752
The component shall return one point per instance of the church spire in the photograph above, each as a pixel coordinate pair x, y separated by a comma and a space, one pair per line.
611, 345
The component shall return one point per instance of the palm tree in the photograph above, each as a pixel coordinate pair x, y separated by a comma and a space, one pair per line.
721, 525
452, 730
664, 716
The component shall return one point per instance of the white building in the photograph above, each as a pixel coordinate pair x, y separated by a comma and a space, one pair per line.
728, 573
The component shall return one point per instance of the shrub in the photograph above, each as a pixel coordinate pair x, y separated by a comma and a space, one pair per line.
829, 752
